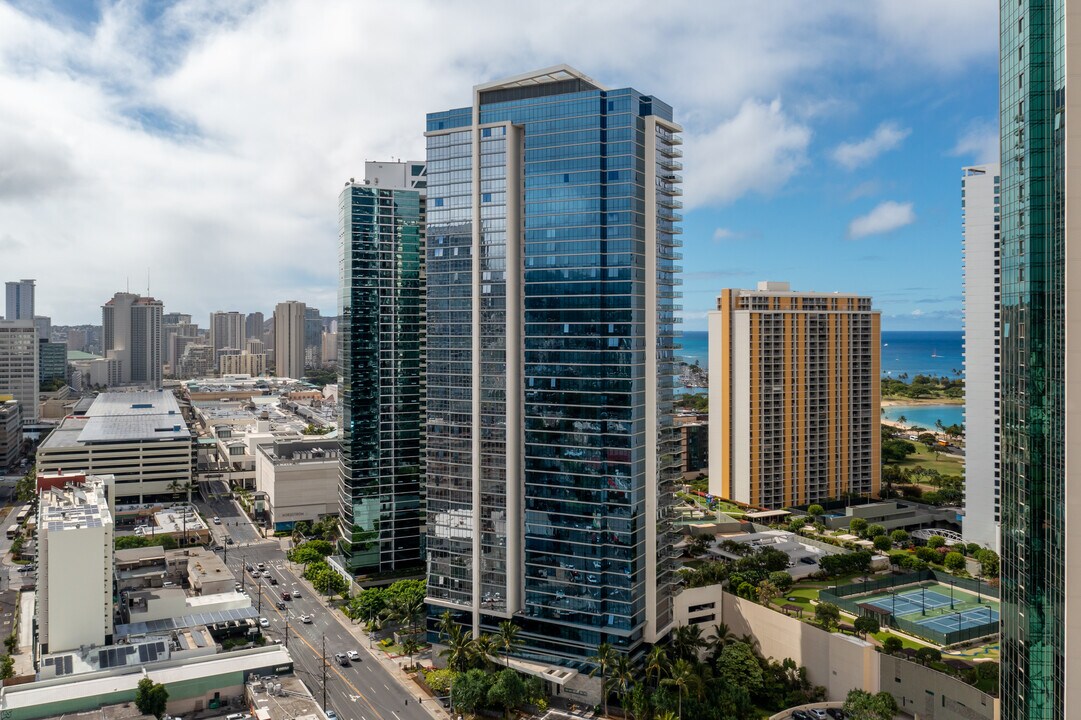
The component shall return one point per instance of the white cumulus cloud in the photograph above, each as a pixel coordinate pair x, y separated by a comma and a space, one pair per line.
979, 142
886, 137
884, 218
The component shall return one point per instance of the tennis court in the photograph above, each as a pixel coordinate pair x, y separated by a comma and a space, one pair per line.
971, 618
912, 601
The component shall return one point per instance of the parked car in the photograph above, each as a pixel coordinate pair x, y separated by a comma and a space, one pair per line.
800, 715
836, 713
263, 622
818, 713
353, 655
807, 560
228, 541
342, 659
237, 716
217, 520
331, 715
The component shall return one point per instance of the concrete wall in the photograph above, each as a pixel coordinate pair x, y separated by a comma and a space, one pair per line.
837, 662
928, 694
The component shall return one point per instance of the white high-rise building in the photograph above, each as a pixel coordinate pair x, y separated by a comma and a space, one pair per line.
289, 325
75, 564
19, 365
983, 287
20, 300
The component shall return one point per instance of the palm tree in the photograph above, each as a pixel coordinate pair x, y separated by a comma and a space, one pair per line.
666, 715
458, 651
446, 622
722, 636
901, 420
409, 611
174, 487
751, 641
687, 642
622, 680
603, 660
410, 646
483, 648
683, 678
656, 663
507, 638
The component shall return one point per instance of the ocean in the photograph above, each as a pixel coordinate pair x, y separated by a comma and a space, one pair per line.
915, 352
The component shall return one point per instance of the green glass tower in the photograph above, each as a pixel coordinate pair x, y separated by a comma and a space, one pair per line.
1040, 360
381, 355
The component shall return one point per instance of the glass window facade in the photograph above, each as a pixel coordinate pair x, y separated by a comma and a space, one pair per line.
1033, 360
553, 251
381, 336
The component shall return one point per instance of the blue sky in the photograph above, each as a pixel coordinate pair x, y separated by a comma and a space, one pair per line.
824, 140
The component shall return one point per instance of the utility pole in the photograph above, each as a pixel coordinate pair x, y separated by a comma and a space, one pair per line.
287, 630
324, 673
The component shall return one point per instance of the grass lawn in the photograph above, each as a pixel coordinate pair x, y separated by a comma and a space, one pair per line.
905, 642
945, 463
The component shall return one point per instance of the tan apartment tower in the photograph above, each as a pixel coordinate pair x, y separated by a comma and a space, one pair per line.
794, 396
289, 339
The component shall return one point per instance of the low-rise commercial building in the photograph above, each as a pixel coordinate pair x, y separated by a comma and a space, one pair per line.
75, 564
139, 437
299, 478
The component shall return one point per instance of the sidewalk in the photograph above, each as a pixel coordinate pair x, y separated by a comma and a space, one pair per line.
392, 666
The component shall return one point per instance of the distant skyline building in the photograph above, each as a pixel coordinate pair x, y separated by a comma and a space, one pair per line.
44, 325
19, 295
19, 365
131, 326
254, 327
381, 239
982, 292
289, 327
1040, 359
795, 396
313, 337
226, 330
52, 361
551, 345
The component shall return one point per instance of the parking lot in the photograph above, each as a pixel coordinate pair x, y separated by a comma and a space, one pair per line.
803, 557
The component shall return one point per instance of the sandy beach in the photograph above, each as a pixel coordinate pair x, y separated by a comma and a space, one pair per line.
894, 401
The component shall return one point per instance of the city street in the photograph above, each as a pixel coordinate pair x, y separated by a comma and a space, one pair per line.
365, 690
219, 503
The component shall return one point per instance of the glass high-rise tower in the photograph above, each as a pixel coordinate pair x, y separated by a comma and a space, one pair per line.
381, 338
553, 231
1040, 359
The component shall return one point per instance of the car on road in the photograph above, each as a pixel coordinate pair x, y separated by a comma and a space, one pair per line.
273, 581
342, 659
261, 566
217, 520
806, 560
228, 541
331, 715
281, 605
296, 593
238, 586
286, 596
249, 567
237, 716
306, 619
353, 655
263, 622
218, 548
266, 573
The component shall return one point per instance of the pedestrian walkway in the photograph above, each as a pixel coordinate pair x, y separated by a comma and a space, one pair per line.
393, 666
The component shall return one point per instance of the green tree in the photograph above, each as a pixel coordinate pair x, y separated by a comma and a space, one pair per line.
874, 531
892, 644
411, 646
440, 681
687, 642
827, 615
935, 542
602, 663
721, 638
899, 537
304, 554
623, 676
151, 697
766, 592
7, 667
684, 678
954, 562
781, 580
507, 692
882, 543
989, 563
470, 691
368, 604
862, 705
816, 511
458, 650
928, 655
857, 526
738, 665
656, 664
865, 624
